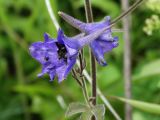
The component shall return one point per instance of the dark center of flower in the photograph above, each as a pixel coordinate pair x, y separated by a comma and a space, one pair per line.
61, 51
46, 58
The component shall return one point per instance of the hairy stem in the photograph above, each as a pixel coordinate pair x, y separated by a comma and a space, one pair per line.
129, 10
84, 87
89, 17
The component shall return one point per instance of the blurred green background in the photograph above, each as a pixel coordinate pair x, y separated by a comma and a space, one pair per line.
23, 96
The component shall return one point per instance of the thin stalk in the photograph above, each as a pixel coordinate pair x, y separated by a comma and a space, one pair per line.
82, 84
52, 16
84, 87
129, 10
85, 93
127, 59
89, 17
88, 11
124, 14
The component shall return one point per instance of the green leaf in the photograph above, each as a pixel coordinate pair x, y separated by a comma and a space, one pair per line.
75, 108
99, 112
144, 106
148, 70
86, 115
86, 112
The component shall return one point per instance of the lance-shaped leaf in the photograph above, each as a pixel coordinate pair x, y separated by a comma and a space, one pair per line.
144, 106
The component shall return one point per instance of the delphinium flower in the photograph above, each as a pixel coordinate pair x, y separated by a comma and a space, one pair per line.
58, 56
103, 44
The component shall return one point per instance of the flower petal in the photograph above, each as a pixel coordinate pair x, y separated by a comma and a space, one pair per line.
44, 71
60, 36
46, 37
78, 36
71, 63
98, 53
90, 38
99, 35
60, 71
52, 75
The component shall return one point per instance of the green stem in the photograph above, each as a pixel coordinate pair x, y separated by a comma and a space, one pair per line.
84, 87
85, 93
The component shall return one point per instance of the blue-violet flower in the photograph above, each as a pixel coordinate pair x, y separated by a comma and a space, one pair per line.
58, 56
103, 44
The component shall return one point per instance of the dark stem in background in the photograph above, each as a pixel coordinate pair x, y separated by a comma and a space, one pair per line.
127, 60
89, 17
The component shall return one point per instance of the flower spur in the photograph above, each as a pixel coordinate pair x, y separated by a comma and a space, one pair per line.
103, 44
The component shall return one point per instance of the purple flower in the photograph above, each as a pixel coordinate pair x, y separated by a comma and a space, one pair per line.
58, 56
103, 44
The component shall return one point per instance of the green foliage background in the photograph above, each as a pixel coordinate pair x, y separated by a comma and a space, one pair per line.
23, 96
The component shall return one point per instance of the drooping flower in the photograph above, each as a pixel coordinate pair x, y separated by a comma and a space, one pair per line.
58, 56
103, 44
